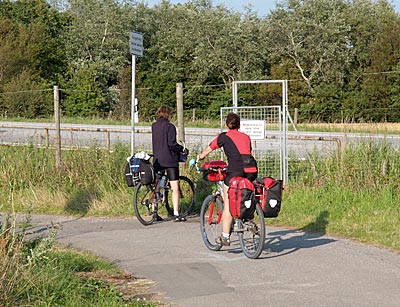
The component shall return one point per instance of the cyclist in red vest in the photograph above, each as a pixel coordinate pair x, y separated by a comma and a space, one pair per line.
237, 148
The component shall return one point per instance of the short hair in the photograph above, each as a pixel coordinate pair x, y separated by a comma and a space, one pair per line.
164, 112
232, 121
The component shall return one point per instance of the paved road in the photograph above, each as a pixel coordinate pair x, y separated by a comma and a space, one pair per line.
295, 269
300, 143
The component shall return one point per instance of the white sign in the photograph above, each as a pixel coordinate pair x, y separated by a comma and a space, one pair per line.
253, 128
136, 43
136, 109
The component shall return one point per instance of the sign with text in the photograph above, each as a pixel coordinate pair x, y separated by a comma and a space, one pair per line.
136, 43
253, 128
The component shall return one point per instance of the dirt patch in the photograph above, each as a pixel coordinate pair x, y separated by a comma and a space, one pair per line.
129, 286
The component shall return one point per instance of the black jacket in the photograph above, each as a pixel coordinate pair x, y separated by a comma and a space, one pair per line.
165, 148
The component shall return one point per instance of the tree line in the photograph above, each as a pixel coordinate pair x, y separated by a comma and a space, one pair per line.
341, 57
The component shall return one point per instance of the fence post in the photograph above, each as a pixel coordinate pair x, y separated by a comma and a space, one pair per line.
296, 114
179, 108
57, 124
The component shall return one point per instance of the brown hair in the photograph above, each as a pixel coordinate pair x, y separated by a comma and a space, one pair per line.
164, 112
232, 121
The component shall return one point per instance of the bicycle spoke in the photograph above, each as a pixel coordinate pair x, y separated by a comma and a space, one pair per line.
210, 221
251, 234
144, 204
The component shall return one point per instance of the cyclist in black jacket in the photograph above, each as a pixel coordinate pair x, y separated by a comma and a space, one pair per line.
166, 153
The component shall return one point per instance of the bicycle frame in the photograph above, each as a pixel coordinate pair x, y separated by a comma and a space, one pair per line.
251, 233
148, 199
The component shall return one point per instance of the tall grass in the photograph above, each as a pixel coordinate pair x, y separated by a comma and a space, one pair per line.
35, 272
356, 196
89, 180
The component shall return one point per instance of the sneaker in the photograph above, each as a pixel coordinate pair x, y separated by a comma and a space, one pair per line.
221, 240
179, 218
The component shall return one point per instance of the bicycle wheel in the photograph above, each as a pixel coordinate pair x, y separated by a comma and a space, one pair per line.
186, 197
144, 203
210, 221
251, 234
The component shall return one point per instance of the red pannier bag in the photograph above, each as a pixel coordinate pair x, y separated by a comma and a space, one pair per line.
269, 192
242, 202
214, 175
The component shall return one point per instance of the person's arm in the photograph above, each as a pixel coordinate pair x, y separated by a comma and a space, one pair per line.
204, 153
172, 143
213, 145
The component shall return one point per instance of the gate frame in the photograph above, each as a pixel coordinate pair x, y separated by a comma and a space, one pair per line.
284, 116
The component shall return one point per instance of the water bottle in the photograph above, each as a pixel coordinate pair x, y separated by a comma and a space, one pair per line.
162, 183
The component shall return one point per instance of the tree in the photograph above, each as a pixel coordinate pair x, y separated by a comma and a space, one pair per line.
201, 45
313, 34
31, 57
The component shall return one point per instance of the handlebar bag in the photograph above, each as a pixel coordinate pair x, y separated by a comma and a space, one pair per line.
270, 193
214, 175
242, 202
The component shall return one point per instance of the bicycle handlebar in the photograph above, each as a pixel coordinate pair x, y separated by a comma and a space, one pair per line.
194, 163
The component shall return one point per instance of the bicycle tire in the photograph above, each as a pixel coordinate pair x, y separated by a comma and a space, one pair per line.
210, 221
187, 197
251, 234
143, 204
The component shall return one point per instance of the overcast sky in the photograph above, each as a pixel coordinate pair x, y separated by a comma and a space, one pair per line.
261, 6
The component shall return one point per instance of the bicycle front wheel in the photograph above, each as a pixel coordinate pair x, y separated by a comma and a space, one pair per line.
186, 197
144, 204
251, 234
210, 221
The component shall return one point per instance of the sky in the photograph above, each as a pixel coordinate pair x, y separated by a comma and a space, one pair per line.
261, 6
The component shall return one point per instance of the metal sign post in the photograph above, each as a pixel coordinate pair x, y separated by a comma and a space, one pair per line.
136, 49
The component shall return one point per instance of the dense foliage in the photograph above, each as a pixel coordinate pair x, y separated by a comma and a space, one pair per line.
341, 57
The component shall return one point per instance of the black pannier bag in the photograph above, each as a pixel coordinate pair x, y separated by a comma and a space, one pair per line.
132, 172
242, 202
146, 172
269, 192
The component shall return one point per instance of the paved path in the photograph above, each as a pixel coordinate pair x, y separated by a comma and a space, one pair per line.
295, 269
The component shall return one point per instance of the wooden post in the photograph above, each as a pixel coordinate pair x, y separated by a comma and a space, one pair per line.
179, 109
57, 124
296, 114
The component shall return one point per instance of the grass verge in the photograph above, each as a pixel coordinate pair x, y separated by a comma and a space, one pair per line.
35, 272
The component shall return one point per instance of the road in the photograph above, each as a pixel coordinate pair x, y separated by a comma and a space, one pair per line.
299, 143
295, 269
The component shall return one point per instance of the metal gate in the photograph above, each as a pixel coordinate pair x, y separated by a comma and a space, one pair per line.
267, 127
264, 125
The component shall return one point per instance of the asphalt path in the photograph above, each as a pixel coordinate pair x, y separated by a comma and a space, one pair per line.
296, 268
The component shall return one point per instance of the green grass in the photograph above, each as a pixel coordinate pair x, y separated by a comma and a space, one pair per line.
367, 216
35, 272
198, 123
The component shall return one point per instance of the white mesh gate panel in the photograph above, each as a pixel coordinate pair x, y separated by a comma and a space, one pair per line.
267, 127
264, 126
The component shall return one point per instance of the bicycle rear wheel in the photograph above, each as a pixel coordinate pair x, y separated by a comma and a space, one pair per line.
251, 234
144, 202
210, 221
186, 197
